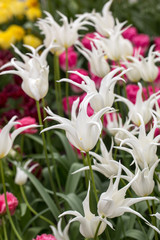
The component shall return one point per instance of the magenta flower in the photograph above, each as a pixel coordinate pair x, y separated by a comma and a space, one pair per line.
26, 121
12, 203
45, 237
72, 60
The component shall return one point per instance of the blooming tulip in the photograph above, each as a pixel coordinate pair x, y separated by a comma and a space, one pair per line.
113, 203
58, 233
90, 222
33, 71
7, 139
82, 131
105, 96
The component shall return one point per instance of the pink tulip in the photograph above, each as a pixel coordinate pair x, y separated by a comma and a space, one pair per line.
26, 121
45, 237
12, 203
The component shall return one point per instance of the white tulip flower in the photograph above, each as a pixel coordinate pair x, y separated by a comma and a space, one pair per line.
113, 203
115, 46
90, 222
82, 131
115, 123
144, 108
58, 233
144, 183
7, 138
134, 75
144, 146
21, 177
145, 66
103, 23
96, 58
106, 165
105, 96
33, 71
66, 35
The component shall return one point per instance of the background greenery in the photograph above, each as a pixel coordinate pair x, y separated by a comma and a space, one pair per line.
143, 14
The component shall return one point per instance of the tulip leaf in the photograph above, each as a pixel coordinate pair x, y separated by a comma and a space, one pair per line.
32, 220
73, 201
46, 197
23, 208
32, 232
69, 151
135, 234
73, 179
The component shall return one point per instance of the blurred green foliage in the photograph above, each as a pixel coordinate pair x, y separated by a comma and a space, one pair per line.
143, 14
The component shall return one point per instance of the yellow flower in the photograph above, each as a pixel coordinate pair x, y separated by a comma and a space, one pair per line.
6, 38
5, 13
17, 31
32, 3
18, 8
33, 13
32, 40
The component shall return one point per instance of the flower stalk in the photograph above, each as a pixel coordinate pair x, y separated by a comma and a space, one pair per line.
92, 177
31, 209
6, 203
46, 155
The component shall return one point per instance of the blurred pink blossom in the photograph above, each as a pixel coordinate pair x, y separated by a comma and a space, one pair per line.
45, 237
129, 33
12, 203
25, 122
74, 77
87, 39
72, 59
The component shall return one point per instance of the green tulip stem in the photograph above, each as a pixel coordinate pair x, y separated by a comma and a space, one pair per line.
152, 218
57, 85
67, 85
7, 208
96, 233
31, 209
49, 142
92, 176
4, 229
46, 156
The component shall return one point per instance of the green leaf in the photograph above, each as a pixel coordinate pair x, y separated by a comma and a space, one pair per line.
73, 179
34, 218
73, 201
32, 232
69, 151
23, 208
46, 197
135, 234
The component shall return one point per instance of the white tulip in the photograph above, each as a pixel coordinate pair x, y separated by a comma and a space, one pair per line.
33, 71
113, 203
21, 177
96, 58
90, 222
7, 138
103, 22
144, 146
64, 35
82, 131
106, 165
144, 183
115, 46
144, 108
58, 233
105, 96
